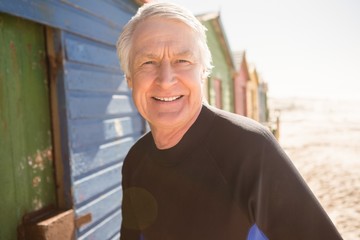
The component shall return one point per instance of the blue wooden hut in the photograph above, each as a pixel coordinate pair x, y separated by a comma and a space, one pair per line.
92, 119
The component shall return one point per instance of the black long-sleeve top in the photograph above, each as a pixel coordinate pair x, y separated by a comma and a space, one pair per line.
226, 179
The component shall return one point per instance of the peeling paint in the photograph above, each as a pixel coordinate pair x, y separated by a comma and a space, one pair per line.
30, 161
25, 123
118, 128
36, 181
37, 203
40, 158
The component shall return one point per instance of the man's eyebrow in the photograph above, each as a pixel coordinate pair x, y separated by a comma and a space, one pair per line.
184, 53
142, 54
151, 54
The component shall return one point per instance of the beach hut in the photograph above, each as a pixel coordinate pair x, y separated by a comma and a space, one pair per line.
219, 86
66, 118
263, 102
252, 98
241, 79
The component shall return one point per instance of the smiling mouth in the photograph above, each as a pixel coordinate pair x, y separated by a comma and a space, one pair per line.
167, 99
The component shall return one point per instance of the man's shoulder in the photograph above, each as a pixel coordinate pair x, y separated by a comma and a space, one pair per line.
143, 141
139, 148
231, 124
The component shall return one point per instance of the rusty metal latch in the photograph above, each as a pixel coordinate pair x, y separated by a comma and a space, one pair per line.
82, 220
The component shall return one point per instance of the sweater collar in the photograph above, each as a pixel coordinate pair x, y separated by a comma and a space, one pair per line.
191, 139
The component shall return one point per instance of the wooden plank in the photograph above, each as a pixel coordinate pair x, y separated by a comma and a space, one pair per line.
8, 190
59, 116
79, 49
57, 226
83, 105
92, 186
101, 208
87, 133
92, 160
107, 10
127, 5
26, 170
82, 77
64, 16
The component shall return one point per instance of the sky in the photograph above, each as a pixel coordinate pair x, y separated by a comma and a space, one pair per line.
307, 48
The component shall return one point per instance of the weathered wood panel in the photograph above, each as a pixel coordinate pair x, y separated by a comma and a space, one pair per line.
62, 15
103, 124
109, 202
98, 119
80, 77
95, 158
107, 10
89, 133
26, 163
105, 230
82, 50
83, 105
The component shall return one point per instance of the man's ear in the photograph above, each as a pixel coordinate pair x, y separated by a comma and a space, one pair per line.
129, 82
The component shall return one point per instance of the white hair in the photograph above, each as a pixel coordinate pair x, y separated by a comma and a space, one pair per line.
169, 11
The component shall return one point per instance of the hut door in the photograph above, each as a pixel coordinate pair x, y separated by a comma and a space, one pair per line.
26, 167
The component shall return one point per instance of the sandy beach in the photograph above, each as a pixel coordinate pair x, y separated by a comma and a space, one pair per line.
322, 138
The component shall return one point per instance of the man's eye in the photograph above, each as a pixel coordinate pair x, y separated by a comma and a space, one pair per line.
182, 61
148, 62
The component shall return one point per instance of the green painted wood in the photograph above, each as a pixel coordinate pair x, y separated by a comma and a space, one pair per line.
26, 167
220, 71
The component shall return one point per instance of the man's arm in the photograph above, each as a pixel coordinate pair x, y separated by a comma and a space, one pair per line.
285, 207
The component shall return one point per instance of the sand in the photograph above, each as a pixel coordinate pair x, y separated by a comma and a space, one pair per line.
322, 138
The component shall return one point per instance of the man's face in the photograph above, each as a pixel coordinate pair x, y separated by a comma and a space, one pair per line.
166, 73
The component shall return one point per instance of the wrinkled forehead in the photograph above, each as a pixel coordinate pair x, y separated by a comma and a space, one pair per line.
156, 32
149, 24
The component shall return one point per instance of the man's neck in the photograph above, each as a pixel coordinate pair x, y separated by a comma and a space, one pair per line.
168, 137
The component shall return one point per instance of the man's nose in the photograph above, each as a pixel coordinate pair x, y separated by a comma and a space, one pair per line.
166, 76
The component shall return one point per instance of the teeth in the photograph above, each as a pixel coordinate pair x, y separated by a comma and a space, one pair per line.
167, 99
